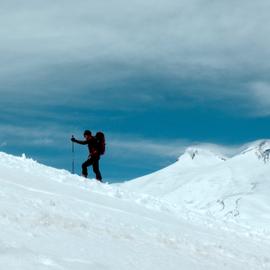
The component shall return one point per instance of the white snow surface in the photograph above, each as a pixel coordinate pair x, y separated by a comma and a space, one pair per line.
203, 212
235, 189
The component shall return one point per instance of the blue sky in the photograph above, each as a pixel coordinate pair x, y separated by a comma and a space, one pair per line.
155, 76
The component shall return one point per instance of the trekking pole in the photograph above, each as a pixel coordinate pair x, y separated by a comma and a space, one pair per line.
73, 157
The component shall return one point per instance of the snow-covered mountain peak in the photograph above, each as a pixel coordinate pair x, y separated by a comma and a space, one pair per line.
200, 156
261, 149
204, 181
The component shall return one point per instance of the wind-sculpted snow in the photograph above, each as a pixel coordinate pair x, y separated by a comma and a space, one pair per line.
51, 219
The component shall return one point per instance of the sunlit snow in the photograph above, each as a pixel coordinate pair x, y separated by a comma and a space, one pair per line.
203, 212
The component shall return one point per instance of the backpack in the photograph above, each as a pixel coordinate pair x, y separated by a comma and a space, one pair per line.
100, 138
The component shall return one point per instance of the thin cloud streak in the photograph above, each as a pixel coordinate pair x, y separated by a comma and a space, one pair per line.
118, 145
3, 144
169, 148
142, 147
260, 92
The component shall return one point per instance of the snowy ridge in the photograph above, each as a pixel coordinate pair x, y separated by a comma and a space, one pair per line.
260, 148
51, 219
202, 156
29, 166
234, 189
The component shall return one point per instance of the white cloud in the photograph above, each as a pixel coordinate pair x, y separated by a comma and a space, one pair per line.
261, 91
117, 144
145, 147
38, 136
2, 144
171, 148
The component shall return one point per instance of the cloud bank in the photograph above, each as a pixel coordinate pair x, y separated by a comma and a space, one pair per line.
207, 50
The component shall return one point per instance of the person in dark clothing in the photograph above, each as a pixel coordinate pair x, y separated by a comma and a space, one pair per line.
94, 155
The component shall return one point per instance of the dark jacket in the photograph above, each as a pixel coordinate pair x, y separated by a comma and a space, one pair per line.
92, 146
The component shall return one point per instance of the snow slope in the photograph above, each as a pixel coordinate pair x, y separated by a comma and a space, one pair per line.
235, 189
50, 219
